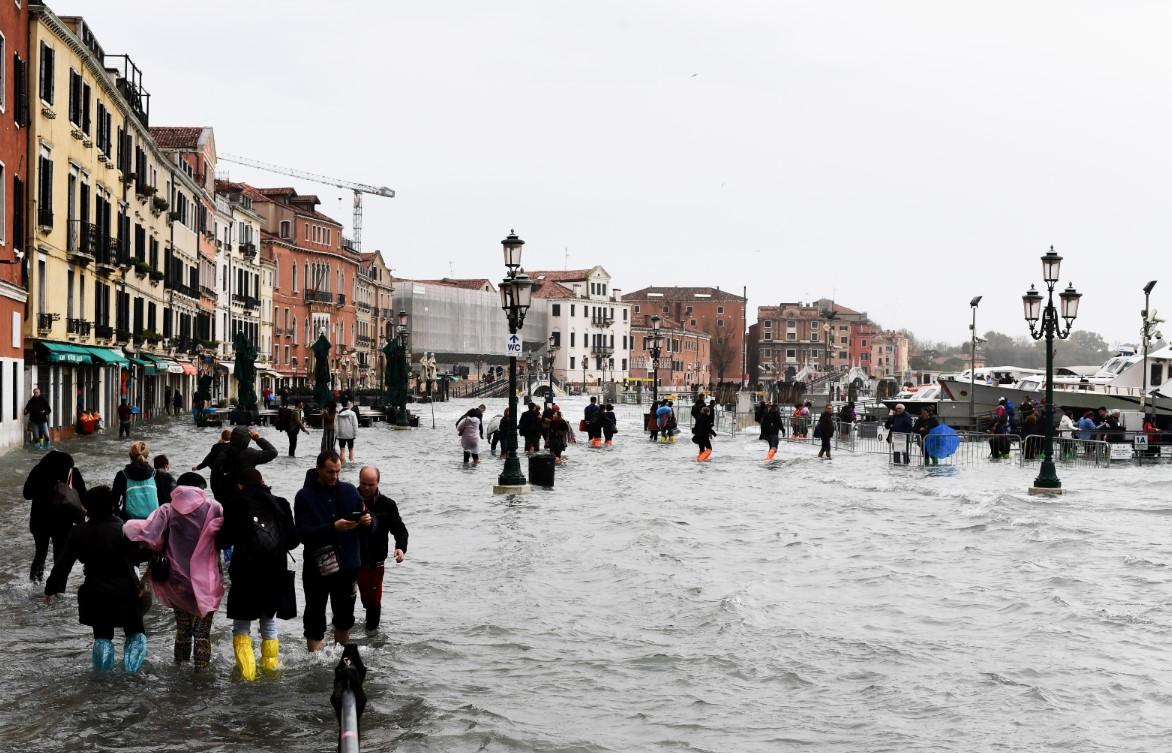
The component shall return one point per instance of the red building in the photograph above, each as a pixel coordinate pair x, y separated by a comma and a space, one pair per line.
716, 312
684, 357
14, 146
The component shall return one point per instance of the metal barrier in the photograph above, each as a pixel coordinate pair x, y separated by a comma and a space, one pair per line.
1067, 451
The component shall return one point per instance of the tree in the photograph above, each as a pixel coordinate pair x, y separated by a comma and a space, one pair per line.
722, 351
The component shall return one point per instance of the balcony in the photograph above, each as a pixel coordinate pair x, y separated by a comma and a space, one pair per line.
82, 242
248, 250
387, 313
363, 341
248, 301
45, 218
79, 327
319, 296
601, 350
103, 332
602, 321
122, 335
362, 306
45, 322
158, 205
207, 290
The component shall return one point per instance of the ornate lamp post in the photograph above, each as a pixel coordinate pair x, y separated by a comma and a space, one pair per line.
401, 418
1048, 327
656, 343
516, 295
1150, 322
552, 352
973, 364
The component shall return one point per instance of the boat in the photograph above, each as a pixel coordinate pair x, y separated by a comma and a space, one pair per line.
945, 405
1117, 385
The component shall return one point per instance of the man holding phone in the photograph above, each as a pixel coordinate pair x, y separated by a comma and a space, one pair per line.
375, 549
332, 523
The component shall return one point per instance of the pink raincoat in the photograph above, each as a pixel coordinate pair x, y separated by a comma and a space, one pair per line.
188, 525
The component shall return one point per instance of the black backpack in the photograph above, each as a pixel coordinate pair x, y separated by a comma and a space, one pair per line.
223, 476
268, 534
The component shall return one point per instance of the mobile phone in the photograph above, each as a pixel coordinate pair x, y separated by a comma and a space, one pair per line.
356, 516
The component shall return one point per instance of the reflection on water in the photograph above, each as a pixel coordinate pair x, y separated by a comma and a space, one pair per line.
650, 602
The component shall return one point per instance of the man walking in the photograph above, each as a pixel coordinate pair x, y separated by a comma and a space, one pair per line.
124, 414
331, 523
294, 425
375, 546
37, 409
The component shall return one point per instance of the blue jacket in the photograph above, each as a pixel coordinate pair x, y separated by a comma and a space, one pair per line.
902, 423
1088, 428
315, 510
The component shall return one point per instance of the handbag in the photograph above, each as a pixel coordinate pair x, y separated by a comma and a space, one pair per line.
287, 607
66, 501
145, 593
326, 558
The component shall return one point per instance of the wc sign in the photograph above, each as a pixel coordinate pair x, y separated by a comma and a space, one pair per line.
513, 346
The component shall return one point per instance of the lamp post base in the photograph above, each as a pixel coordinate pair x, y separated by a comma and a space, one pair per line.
511, 488
1045, 491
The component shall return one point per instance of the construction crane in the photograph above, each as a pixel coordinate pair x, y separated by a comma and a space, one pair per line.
357, 188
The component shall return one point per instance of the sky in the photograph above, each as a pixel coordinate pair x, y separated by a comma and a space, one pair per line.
900, 157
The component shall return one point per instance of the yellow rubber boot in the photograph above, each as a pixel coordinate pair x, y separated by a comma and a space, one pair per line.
269, 650
245, 656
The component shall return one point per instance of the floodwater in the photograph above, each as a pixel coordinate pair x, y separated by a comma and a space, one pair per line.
653, 603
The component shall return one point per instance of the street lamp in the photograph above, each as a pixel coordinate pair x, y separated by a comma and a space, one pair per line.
828, 328
516, 295
656, 342
1043, 323
553, 347
401, 418
973, 363
1150, 321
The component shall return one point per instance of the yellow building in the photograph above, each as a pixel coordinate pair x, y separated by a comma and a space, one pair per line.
103, 201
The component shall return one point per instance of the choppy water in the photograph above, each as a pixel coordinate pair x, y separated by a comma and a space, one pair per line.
651, 603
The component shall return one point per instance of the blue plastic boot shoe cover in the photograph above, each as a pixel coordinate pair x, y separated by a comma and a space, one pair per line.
102, 654
134, 652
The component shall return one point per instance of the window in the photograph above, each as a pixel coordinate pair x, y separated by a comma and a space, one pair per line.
286, 354
20, 87
285, 229
74, 97
46, 89
624, 364
636, 310
3, 74
624, 315
720, 323
45, 194
720, 309
85, 109
571, 309
571, 362
688, 311
293, 268
571, 340
557, 309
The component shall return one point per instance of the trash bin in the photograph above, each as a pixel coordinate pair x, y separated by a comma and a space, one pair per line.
541, 470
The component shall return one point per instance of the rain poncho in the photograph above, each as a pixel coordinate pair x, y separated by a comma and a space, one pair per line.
187, 526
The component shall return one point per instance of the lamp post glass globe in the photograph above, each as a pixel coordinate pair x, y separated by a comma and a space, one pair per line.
511, 248
1069, 299
1032, 303
1051, 264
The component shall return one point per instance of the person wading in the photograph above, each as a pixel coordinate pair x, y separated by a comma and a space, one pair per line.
54, 510
37, 409
294, 425
771, 425
375, 547
702, 434
825, 430
346, 424
134, 487
237, 458
330, 522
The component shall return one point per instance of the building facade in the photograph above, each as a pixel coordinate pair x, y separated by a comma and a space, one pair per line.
14, 121
381, 319
685, 359
890, 355
717, 312
590, 324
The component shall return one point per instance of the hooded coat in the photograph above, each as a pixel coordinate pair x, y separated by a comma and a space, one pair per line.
346, 424
237, 458
470, 433
41, 486
257, 580
186, 529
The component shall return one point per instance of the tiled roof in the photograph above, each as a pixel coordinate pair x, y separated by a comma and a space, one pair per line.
227, 186
551, 289
680, 294
177, 138
644, 321
451, 283
560, 275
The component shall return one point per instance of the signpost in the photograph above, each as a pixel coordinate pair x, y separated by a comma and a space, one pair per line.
513, 346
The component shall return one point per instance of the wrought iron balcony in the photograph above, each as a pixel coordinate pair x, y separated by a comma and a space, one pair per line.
45, 321
318, 296
248, 249
78, 327
601, 350
602, 321
362, 306
44, 217
248, 301
103, 331
122, 335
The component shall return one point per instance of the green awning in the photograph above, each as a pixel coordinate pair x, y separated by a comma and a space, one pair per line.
107, 356
154, 365
64, 352
136, 361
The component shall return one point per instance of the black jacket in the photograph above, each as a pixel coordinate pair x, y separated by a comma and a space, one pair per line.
375, 547
109, 593
315, 509
37, 409
257, 580
825, 425
924, 425
41, 486
771, 423
530, 424
164, 484
237, 458
209, 460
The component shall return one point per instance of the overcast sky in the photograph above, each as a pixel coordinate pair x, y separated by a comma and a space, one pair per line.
899, 156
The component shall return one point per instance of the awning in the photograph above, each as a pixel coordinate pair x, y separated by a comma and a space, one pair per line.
227, 366
136, 361
155, 365
107, 356
188, 368
64, 352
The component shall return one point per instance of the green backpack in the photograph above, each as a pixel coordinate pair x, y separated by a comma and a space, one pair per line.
142, 497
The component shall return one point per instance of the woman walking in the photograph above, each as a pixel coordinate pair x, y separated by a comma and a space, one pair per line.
560, 434
135, 492
185, 531
771, 425
108, 597
469, 430
610, 424
702, 434
329, 416
53, 512
825, 430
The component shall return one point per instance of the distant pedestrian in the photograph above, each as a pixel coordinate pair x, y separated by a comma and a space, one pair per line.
329, 437
135, 494
167, 401
54, 511
560, 435
331, 522
702, 434
900, 427
346, 427
771, 423
209, 460
259, 529
469, 431
529, 427
164, 481
237, 458
825, 430
37, 409
124, 416
184, 530
592, 423
108, 597
177, 402
374, 547
609, 424
294, 425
